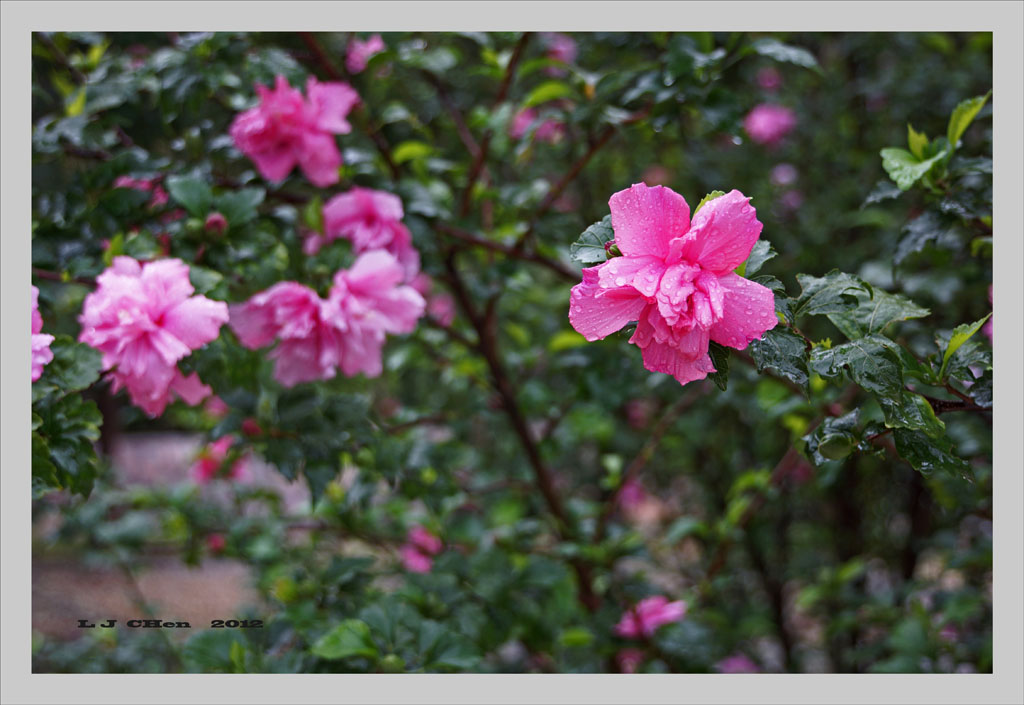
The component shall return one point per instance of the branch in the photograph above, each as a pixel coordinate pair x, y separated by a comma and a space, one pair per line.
534, 257
543, 478
485, 143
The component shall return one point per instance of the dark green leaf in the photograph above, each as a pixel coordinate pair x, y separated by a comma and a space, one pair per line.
191, 192
872, 362
239, 207
927, 229
927, 454
774, 49
590, 247
961, 334
720, 359
875, 313
910, 411
904, 168
761, 253
833, 293
784, 352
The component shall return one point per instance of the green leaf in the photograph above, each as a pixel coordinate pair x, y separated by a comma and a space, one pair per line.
710, 197
917, 141
872, 362
410, 150
76, 105
240, 207
590, 247
784, 352
927, 229
774, 49
203, 279
962, 116
833, 293
313, 214
71, 425
875, 313
350, 638
961, 334
547, 91
904, 168
191, 192
74, 367
761, 253
720, 359
911, 411
566, 339
884, 190
834, 438
927, 454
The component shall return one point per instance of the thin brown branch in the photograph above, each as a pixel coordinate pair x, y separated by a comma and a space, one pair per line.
461, 128
485, 142
528, 256
543, 478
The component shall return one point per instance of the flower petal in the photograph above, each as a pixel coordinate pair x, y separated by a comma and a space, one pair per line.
645, 218
642, 273
596, 313
724, 231
663, 357
196, 321
749, 311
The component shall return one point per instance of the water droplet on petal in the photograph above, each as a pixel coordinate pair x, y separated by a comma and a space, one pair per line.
619, 281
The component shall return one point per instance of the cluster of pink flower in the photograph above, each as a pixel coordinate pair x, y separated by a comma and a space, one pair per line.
347, 330
647, 615
676, 279
144, 319
41, 353
419, 549
211, 459
286, 129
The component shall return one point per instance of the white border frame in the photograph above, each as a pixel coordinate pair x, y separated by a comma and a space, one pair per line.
1004, 19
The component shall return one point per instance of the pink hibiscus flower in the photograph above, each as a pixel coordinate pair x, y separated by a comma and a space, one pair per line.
649, 614
286, 129
359, 52
371, 220
675, 278
347, 330
211, 459
41, 353
144, 319
418, 549
737, 663
767, 123
560, 47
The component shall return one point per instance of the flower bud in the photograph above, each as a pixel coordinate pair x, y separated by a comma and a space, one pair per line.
216, 224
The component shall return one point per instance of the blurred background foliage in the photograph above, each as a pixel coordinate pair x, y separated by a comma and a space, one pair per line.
780, 509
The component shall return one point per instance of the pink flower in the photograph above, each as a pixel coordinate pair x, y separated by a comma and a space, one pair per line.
440, 306
414, 561
251, 427
160, 196
371, 220
215, 406
769, 78
286, 129
425, 541
550, 130
649, 614
675, 278
41, 353
212, 458
144, 320
737, 663
560, 47
216, 543
986, 329
767, 123
632, 494
629, 660
347, 330
359, 52
784, 174
417, 550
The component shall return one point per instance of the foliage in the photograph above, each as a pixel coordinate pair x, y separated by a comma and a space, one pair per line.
822, 502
